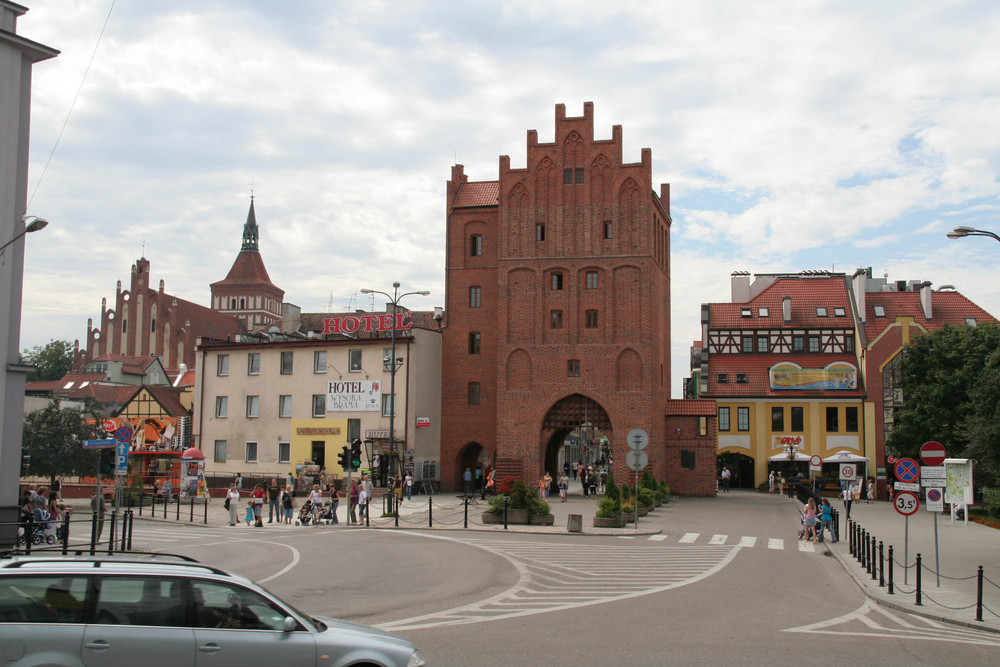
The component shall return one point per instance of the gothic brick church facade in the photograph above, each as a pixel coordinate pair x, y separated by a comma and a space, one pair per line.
558, 307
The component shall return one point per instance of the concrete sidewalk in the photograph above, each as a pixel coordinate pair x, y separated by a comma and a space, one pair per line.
962, 549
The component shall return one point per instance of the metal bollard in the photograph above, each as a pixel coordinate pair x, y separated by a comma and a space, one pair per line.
890, 570
466, 522
919, 568
881, 565
397, 502
430, 511
979, 594
506, 502
862, 551
206, 511
850, 537
111, 536
65, 534
872, 559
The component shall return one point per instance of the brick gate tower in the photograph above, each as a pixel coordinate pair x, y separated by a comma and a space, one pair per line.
557, 305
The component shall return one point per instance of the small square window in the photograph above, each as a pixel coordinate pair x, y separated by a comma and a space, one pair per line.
879, 311
839, 311
556, 319
591, 279
971, 321
539, 232
820, 311
557, 281
763, 312
746, 312
573, 368
722, 378
741, 378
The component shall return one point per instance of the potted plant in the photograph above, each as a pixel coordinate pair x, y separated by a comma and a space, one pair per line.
646, 500
523, 506
628, 510
609, 507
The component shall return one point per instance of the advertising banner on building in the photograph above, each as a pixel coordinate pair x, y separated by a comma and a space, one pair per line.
837, 375
354, 396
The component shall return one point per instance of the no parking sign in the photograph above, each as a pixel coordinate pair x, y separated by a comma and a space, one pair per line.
848, 472
935, 500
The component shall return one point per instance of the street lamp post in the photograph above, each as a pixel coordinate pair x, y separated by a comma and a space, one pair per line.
963, 231
394, 362
35, 225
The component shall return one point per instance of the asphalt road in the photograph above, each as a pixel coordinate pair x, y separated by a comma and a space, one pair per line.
725, 580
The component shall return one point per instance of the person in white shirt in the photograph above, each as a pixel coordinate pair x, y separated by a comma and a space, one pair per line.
848, 496
362, 502
233, 496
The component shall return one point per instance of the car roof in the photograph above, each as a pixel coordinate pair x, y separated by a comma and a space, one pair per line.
157, 564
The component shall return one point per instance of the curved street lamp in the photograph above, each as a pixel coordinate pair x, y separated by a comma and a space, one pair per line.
963, 231
394, 362
35, 225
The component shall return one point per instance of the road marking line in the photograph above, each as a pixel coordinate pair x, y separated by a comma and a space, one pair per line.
718, 539
806, 545
747, 541
689, 538
658, 538
775, 543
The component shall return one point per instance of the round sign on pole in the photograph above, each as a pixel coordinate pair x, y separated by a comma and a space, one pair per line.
637, 439
636, 459
907, 470
906, 502
932, 453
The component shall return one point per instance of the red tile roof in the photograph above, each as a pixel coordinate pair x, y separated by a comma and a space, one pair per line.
946, 308
248, 269
169, 398
698, 407
478, 193
806, 293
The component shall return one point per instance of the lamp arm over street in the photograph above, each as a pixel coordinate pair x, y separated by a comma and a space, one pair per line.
35, 225
963, 231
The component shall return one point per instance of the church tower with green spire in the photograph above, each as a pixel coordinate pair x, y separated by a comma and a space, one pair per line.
247, 292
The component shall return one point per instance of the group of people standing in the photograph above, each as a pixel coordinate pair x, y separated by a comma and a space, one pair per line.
281, 502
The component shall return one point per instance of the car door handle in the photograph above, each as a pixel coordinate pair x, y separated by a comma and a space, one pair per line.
99, 645
210, 648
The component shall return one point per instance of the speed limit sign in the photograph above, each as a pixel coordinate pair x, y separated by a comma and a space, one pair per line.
906, 502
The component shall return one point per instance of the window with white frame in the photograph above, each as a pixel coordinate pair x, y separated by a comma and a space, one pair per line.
319, 361
253, 363
220, 451
285, 405
251, 452
253, 406
222, 365
221, 406
387, 408
284, 452
319, 405
354, 361
286, 362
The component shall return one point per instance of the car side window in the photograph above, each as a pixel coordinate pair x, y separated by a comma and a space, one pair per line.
42, 599
230, 606
155, 601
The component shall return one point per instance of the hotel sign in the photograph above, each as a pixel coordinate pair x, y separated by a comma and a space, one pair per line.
838, 375
354, 396
353, 323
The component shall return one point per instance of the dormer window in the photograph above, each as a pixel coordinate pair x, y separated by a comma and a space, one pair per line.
746, 312
879, 311
820, 311
722, 378
763, 312
839, 312
971, 321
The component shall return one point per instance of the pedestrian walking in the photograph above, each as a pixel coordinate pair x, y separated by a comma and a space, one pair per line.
363, 503
563, 485
334, 501
273, 506
848, 495
725, 478
232, 503
287, 503
353, 496
408, 484
467, 480
770, 482
809, 524
826, 520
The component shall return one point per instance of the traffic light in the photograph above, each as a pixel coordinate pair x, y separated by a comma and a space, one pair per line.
344, 458
107, 465
356, 455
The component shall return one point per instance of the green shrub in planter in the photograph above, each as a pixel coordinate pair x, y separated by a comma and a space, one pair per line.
647, 481
495, 505
520, 495
628, 506
626, 492
537, 506
646, 497
608, 508
662, 492
611, 490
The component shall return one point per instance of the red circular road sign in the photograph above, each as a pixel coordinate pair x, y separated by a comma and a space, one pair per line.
932, 453
906, 502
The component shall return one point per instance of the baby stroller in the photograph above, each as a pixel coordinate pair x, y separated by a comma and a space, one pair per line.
802, 525
325, 514
41, 529
307, 514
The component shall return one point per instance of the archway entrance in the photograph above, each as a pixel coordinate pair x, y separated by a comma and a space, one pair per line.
741, 467
575, 429
474, 457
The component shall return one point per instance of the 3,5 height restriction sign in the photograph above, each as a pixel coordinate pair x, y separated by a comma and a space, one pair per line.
906, 502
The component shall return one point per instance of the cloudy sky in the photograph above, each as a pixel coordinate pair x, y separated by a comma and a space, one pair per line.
795, 135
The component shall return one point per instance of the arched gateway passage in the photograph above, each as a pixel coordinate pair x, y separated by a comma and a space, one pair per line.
578, 417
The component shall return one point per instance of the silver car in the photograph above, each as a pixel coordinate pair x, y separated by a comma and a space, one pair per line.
102, 611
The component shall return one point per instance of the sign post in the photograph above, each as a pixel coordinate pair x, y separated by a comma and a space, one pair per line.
906, 503
636, 459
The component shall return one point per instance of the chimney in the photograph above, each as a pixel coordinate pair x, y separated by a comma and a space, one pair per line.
740, 281
786, 309
925, 300
859, 283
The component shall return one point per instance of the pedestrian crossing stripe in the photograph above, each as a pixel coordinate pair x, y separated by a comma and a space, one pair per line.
718, 539
689, 538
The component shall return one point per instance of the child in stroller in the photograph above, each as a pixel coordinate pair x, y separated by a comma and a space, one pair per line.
40, 529
307, 514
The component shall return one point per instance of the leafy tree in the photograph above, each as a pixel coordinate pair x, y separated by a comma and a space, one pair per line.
53, 440
946, 382
53, 360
